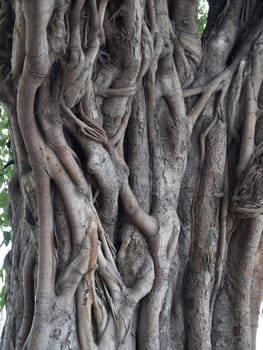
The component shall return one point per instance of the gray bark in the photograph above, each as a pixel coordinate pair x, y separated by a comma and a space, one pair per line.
136, 200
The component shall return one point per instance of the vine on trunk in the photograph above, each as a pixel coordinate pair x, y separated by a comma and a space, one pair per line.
111, 105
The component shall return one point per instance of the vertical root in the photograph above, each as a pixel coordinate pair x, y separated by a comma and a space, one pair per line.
28, 291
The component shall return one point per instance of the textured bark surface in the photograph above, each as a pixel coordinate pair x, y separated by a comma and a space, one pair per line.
136, 203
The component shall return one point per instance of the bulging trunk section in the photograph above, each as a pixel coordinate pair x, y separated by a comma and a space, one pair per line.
136, 199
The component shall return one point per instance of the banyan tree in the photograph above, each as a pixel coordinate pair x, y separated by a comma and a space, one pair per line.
136, 199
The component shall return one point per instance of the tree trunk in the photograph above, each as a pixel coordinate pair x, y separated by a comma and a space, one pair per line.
136, 201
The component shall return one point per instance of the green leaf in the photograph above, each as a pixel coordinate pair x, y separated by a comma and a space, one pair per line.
5, 175
3, 289
2, 297
202, 16
7, 237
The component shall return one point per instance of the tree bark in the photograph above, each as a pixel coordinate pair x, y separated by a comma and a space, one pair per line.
136, 201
